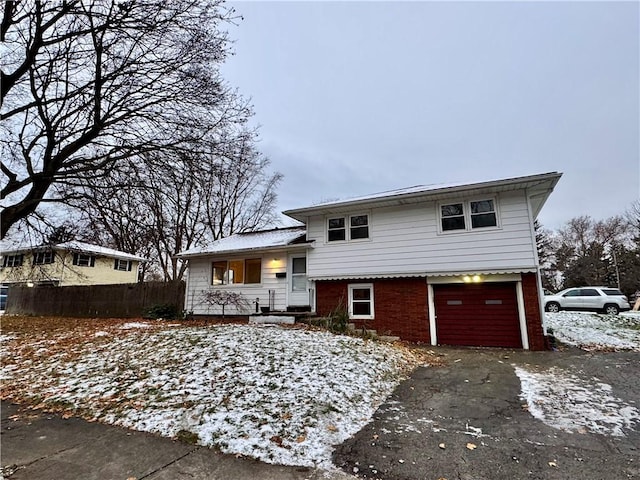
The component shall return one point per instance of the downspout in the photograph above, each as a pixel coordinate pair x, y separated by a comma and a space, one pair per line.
536, 259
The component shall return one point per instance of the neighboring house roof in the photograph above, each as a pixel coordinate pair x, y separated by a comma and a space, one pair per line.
539, 187
262, 240
7, 248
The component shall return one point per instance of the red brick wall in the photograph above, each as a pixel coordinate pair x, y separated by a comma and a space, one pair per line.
400, 306
532, 311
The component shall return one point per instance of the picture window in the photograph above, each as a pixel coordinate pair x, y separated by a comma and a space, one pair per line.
237, 272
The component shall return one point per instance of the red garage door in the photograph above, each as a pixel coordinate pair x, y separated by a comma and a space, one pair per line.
484, 315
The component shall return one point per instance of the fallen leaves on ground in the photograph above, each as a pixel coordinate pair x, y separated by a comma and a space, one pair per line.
273, 393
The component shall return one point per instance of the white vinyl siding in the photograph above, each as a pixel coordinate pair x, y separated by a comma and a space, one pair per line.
407, 239
200, 277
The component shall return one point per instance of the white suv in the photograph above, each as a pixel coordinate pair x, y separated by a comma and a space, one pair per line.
602, 299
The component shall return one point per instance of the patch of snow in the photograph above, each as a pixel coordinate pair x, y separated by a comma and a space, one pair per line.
249, 241
281, 395
101, 334
592, 331
130, 325
567, 402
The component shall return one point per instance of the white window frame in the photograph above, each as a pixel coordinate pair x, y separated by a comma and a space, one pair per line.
44, 257
14, 260
347, 227
466, 208
298, 275
494, 211
84, 260
356, 286
119, 262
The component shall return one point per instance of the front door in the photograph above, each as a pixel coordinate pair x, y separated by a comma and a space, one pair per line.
298, 285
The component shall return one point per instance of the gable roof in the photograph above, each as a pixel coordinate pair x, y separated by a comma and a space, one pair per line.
538, 186
7, 248
251, 241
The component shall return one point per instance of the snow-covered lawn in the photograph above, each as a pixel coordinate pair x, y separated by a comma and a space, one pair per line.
592, 331
281, 395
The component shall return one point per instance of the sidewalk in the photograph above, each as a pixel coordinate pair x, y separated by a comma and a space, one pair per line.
39, 446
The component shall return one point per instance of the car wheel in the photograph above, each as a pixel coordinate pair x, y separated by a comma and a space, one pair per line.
611, 309
552, 307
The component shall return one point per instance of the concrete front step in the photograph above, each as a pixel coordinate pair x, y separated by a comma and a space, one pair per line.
272, 319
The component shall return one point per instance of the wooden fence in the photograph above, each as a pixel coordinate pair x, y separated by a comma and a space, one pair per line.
94, 301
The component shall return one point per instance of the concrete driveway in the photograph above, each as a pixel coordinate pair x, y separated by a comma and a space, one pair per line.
467, 421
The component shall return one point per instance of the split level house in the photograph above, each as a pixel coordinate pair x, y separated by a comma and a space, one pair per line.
441, 264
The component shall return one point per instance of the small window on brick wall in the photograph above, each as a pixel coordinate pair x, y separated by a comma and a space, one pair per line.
361, 301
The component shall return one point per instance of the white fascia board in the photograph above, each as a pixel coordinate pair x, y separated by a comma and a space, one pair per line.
218, 253
545, 181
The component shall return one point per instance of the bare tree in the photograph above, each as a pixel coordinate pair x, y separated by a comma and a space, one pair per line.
88, 84
586, 247
171, 201
545, 243
224, 298
240, 192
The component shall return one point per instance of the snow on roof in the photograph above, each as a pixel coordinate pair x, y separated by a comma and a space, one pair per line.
74, 245
266, 239
431, 189
90, 248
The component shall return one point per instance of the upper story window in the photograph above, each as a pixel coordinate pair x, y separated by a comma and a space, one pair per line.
84, 260
43, 258
357, 227
337, 231
483, 214
468, 215
453, 216
122, 265
231, 272
13, 260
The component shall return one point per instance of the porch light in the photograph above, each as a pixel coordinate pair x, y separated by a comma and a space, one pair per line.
472, 279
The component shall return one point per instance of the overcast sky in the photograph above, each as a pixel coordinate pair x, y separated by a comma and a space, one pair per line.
355, 98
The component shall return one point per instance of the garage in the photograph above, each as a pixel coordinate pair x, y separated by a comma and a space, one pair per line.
484, 315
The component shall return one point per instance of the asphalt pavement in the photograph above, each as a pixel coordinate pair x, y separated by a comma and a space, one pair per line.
466, 421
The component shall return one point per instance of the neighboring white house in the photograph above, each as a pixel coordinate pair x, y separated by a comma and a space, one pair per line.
443, 264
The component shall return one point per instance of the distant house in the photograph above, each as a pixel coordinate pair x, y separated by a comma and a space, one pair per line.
68, 263
444, 264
